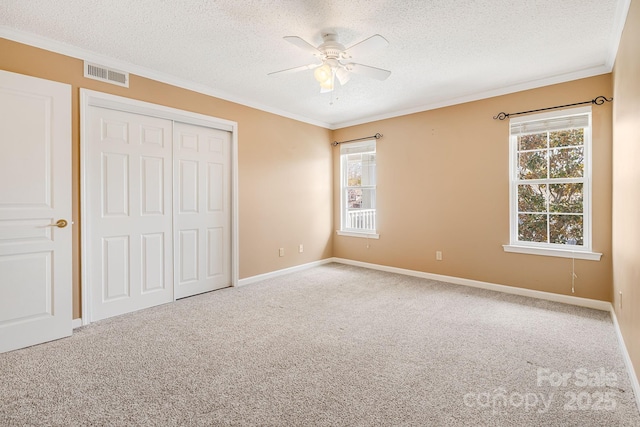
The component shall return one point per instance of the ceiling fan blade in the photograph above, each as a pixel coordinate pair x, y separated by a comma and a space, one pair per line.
366, 70
343, 76
366, 46
295, 69
297, 41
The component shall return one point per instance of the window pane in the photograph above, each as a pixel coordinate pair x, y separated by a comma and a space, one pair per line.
565, 138
565, 198
532, 165
361, 212
532, 227
567, 163
354, 198
566, 229
369, 169
354, 170
532, 198
532, 142
361, 169
361, 198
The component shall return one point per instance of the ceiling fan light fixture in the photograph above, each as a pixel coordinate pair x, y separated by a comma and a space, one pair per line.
323, 74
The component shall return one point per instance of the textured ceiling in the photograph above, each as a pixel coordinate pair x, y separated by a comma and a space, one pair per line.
440, 51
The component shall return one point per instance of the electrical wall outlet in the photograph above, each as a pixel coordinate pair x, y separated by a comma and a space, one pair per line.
438, 255
281, 253
620, 300
300, 248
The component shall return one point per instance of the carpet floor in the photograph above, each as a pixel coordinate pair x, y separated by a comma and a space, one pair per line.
333, 345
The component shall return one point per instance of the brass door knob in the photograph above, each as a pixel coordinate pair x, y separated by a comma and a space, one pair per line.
61, 223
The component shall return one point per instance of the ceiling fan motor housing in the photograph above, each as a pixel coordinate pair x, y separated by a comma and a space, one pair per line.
331, 49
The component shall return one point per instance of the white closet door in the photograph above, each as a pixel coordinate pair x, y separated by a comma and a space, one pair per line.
35, 195
128, 188
202, 209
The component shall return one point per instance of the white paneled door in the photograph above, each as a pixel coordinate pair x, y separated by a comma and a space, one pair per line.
128, 190
202, 160
35, 211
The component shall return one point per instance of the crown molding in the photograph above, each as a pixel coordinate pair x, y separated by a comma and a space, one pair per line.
87, 55
519, 87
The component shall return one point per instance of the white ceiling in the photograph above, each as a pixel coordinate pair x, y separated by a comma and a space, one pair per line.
440, 52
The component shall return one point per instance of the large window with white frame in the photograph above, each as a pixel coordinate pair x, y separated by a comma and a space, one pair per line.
550, 185
358, 188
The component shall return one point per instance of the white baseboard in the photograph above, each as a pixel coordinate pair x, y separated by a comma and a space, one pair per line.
549, 296
76, 323
633, 378
272, 274
567, 299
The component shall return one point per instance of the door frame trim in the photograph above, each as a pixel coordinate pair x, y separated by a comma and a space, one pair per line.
91, 98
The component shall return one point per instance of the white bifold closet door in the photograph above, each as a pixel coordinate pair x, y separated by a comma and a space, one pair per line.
158, 201
202, 208
129, 192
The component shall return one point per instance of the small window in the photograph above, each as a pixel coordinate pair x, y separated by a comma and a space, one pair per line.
358, 188
550, 180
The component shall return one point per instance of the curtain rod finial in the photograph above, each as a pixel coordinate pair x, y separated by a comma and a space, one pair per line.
599, 100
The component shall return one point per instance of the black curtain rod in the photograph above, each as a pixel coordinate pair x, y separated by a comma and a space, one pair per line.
376, 136
598, 100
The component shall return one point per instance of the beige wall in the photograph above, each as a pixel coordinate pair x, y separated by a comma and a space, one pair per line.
285, 166
443, 184
626, 184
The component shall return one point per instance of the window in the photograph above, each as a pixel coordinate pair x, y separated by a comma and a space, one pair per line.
358, 189
550, 184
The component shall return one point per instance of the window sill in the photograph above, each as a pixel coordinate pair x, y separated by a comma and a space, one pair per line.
563, 253
365, 235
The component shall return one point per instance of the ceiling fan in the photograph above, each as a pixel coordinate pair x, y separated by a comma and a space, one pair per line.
333, 60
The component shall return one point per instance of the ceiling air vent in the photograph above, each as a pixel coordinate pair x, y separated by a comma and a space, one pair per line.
105, 74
